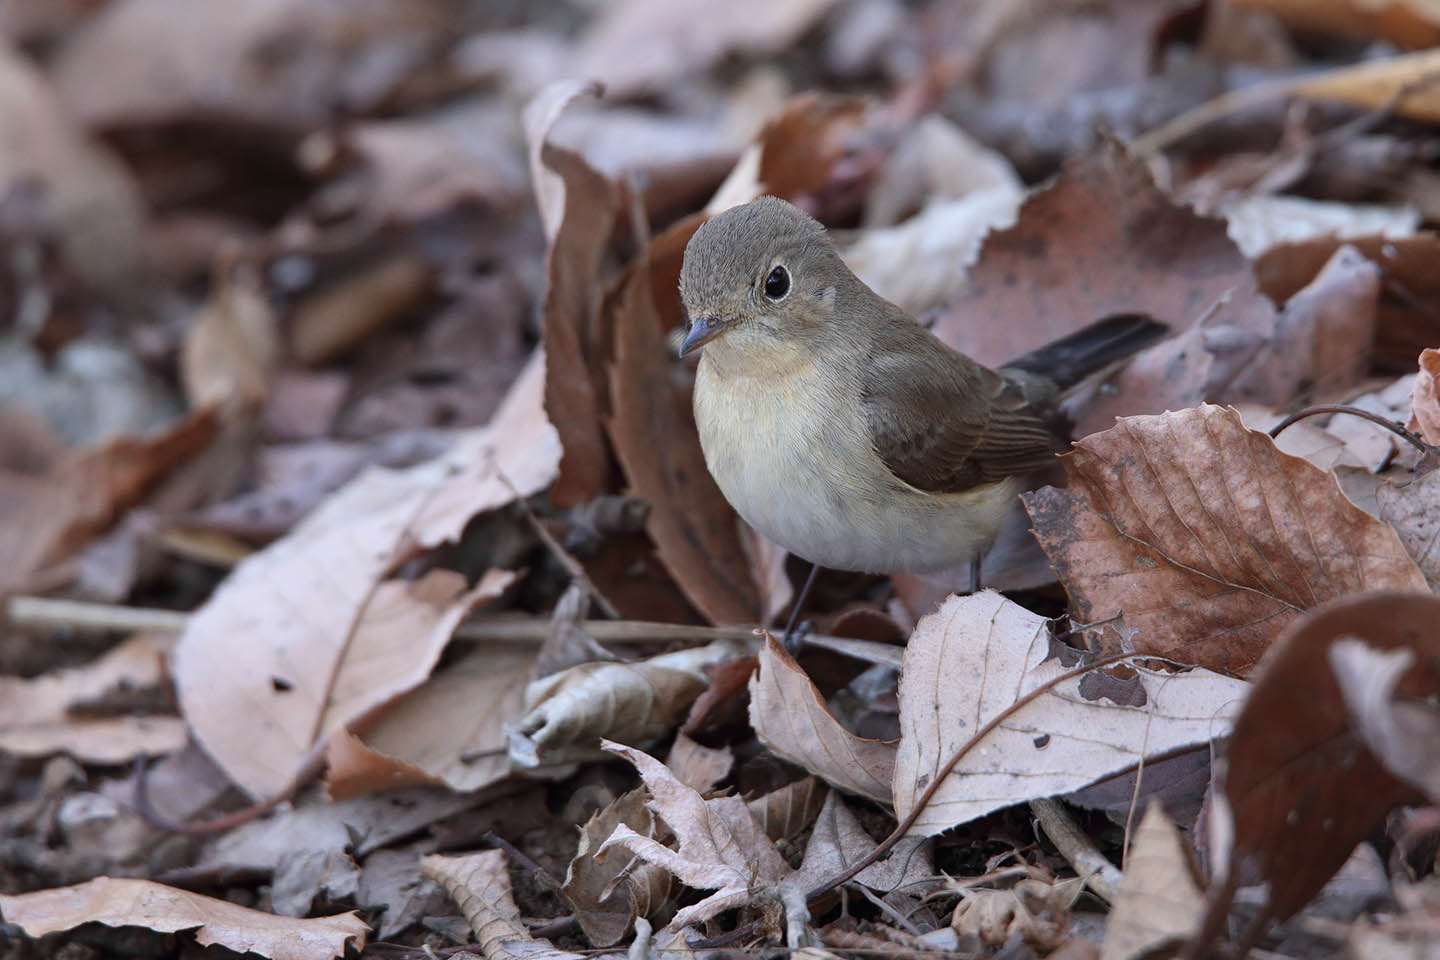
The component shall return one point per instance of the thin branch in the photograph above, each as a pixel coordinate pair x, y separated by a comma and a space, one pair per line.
1394, 426
1100, 874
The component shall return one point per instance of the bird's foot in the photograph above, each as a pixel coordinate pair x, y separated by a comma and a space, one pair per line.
794, 639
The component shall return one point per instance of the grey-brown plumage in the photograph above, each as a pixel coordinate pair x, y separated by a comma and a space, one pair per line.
835, 424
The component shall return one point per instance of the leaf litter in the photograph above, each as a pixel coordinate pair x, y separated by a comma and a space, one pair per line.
297, 357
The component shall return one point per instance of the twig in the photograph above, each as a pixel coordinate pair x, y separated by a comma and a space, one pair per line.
1231, 101
1393, 426
1100, 874
941, 775
79, 615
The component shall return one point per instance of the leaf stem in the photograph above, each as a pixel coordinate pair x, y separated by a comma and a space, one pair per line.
1394, 426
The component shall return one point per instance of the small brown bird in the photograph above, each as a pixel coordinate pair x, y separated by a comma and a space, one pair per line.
839, 427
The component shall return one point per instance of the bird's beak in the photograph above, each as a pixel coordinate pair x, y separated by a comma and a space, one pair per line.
702, 331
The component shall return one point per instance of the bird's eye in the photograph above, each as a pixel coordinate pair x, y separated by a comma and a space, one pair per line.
777, 284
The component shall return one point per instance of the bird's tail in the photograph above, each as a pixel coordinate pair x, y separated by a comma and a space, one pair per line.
1091, 349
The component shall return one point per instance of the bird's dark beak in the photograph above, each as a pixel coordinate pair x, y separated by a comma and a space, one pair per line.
702, 331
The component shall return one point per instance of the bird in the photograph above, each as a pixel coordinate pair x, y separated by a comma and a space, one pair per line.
843, 430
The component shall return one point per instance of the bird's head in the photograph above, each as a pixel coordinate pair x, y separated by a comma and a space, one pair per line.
763, 276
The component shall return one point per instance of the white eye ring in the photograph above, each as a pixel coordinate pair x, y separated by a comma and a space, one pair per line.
777, 284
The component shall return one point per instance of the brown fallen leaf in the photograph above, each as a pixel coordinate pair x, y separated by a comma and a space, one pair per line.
327, 323
695, 531
786, 813
1102, 240
608, 896
41, 715
1303, 787
118, 902
972, 659
721, 847
479, 883
1425, 397
567, 714
1409, 297
1161, 900
307, 625
791, 719
1413, 24
48, 510
696, 766
1034, 910
1206, 537
578, 207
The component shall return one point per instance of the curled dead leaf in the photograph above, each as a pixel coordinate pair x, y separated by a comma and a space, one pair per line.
1206, 537
1425, 397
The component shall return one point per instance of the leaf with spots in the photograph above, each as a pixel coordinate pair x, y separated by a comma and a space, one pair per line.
1206, 537
978, 655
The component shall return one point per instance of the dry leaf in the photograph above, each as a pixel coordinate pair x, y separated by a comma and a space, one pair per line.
39, 716
568, 713
1034, 911
608, 896
976, 656
1400, 733
578, 206
339, 317
838, 841
791, 719
1207, 537
653, 431
722, 848
48, 512
1425, 398
699, 768
1413, 509
1408, 23
118, 902
307, 628
767, 560
1407, 83
1161, 902
1102, 240
232, 345
644, 46
785, 813
1303, 787
1258, 222
480, 884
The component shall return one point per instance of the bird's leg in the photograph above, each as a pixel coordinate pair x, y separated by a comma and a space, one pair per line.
792, 639
975, 571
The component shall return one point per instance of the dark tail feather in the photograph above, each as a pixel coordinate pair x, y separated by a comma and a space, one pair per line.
1072, 358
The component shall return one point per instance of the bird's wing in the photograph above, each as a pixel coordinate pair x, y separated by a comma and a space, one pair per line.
942, 422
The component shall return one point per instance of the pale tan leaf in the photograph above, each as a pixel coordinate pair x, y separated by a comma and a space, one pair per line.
232, 345
1425, 397
974, 658
120, 902
608, 896
1035, 911
1206, 536
480, 884
1413, 24
567, 713
1406, 81
36, 715
1161, 904
539, 116
303, 638
783, 814
839, 840
1413, 509
791, 719
721, 847
698, 767
452, 727
1402, 733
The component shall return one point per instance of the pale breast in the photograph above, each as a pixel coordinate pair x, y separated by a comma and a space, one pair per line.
798, 466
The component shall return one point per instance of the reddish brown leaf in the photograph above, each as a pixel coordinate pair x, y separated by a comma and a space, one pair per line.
1206, 537
1102, 240
1303, 787
653, 430
1425, 397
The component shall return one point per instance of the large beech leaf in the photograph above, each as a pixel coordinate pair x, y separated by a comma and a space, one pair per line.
1206, 537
